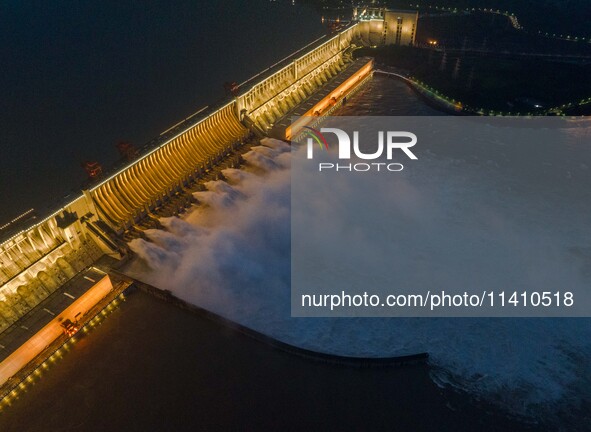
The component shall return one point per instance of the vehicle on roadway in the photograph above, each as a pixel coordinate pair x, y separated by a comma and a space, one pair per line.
70, 328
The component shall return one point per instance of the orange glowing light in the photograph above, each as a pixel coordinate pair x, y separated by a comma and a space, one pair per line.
329, 100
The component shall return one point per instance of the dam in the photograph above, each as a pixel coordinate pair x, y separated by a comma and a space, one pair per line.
40, 254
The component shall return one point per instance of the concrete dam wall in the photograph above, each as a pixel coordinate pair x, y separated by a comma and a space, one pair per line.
41, 255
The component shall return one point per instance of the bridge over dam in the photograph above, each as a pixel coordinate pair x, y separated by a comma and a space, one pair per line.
38, 255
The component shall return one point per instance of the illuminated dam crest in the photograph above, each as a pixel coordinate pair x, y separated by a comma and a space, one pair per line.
38, 256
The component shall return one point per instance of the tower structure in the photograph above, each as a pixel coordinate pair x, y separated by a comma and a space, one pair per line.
381, 26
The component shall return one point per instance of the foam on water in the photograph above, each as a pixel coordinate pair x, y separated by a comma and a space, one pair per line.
232, 256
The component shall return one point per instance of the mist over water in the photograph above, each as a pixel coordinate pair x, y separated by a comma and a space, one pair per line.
231, 255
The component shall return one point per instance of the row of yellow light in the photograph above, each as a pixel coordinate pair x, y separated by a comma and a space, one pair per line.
324, 44
483, 111
9, 397
512, 17
204, 118
282, 60
32, 227
16, 219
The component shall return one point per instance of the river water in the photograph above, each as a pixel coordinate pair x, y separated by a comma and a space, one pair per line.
153, 367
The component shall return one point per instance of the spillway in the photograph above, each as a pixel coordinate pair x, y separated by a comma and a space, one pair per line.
39, 254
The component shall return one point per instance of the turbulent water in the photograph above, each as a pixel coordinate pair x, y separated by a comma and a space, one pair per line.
232, 255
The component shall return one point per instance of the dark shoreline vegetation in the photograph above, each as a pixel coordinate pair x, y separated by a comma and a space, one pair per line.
227, 381
560, 16
555, 16
501, 85
481, 62
318, 356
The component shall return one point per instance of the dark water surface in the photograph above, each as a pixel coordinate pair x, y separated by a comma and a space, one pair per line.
152, 367
77, 77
